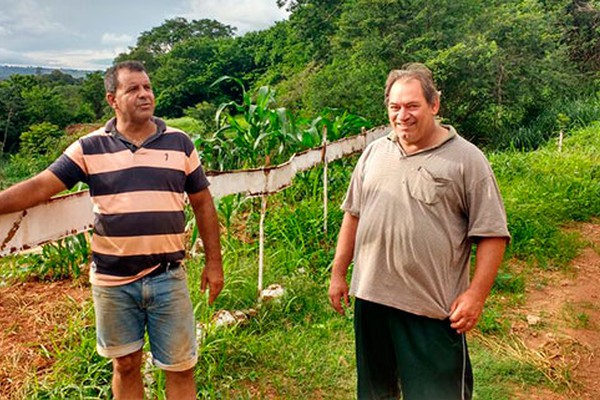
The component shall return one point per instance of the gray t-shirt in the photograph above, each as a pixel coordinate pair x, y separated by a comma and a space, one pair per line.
418, 217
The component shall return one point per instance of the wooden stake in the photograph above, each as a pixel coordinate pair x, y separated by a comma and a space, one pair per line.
325, 189
560, 140
261, 242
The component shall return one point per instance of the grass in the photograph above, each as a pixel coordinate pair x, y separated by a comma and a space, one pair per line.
296, 347
512, 362
544, 190
575, 316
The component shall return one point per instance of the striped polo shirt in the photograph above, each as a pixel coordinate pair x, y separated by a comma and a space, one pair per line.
137, 196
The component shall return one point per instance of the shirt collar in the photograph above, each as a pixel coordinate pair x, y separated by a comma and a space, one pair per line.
393, 136
111, 125
111, 128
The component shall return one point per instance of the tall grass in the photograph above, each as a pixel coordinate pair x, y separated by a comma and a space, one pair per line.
296, 347
546, 189
562, 114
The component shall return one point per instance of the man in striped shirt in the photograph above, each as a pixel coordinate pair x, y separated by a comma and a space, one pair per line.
138, 171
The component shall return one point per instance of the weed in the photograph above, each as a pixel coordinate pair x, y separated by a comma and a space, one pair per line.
574, 317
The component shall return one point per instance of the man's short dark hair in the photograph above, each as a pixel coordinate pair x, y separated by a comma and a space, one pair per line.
111, 77
418, 72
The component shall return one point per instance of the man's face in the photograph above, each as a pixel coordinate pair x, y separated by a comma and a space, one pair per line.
133, 100
411, 117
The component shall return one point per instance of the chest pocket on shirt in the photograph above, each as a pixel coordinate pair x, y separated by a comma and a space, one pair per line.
427, 188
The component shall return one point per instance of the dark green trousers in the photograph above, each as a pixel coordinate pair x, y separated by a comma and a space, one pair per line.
408, 355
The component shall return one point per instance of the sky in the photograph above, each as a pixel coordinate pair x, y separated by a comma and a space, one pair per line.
89, 34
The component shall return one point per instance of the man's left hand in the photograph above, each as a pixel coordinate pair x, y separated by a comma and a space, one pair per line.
465, 311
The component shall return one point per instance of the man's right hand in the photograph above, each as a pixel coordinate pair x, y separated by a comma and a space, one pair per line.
338, 291
338, 287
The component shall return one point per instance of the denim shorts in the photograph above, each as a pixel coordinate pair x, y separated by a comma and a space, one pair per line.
159, 304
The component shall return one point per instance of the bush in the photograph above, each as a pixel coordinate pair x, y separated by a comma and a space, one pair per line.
40, 139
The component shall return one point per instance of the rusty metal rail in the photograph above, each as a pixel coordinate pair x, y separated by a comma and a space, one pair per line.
71, 214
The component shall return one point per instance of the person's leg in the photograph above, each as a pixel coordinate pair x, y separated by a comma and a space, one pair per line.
181, 385
375, 359
172, 332
127, 377
120, 326
433, 359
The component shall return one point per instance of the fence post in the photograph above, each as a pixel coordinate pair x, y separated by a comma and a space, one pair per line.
560, 140
261, 242
325, 190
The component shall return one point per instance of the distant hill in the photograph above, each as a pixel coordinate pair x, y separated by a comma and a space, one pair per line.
7, 70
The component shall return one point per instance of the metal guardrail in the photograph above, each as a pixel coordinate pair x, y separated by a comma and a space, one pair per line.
71, 214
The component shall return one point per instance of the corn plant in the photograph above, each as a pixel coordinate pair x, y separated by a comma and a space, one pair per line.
58, 260
250, 133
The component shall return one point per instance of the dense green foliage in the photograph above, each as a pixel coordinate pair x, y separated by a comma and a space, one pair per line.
256, 132
56, 99
501, 66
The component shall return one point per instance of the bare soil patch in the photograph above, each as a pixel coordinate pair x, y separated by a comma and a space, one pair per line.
561, 320
31, 315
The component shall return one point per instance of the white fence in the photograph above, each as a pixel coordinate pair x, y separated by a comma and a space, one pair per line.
71, 214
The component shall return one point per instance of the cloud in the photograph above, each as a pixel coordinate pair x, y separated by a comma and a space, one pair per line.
14, 58
31, 16
246, 15
77, 59
89, 34
113, 38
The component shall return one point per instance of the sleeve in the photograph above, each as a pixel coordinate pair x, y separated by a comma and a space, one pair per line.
69, 167
352, 201
487, 216
195, 180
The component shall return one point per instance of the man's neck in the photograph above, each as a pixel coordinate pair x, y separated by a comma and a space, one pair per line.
136, 132
437, 137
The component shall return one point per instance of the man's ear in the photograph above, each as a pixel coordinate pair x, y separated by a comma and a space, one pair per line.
435, 107
110, 99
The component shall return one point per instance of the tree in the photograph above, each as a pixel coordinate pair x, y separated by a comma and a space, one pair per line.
186, 74
57, 78
40, 139
314, 24
506, 70
497, 63
13, 116
161, 40
92, 91
583, 35
42, 104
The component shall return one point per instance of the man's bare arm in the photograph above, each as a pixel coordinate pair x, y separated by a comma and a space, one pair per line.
344, 252
31, 192
467, 308
208, 228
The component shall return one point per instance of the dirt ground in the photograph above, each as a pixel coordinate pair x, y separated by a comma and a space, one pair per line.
31, 316
559, 323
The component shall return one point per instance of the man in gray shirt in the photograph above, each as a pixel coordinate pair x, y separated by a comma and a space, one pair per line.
417, 202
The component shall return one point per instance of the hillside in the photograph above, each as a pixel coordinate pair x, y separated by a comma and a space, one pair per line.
7, 70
